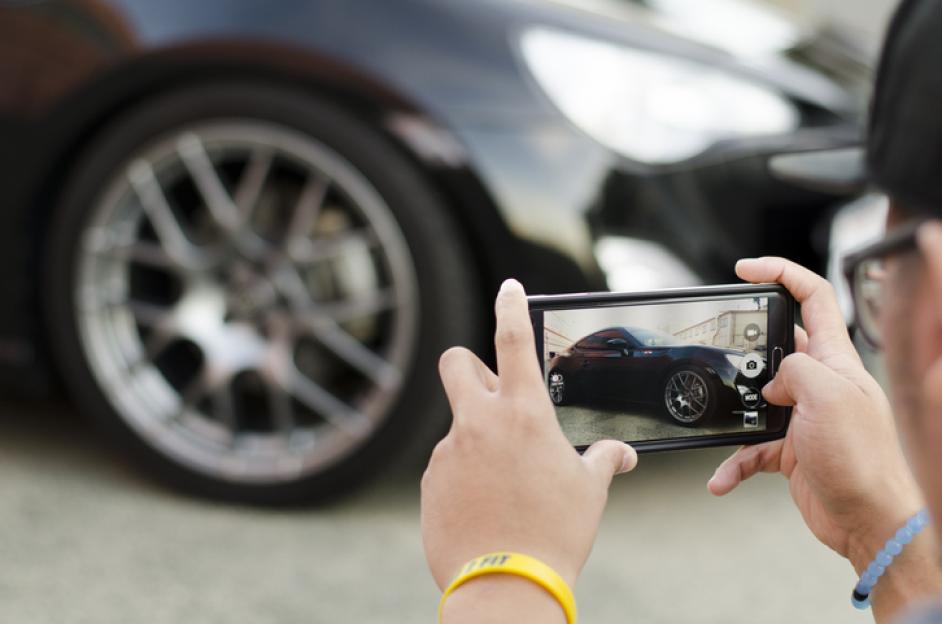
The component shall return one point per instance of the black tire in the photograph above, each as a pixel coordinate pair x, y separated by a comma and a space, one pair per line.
676, 412
449, 305
561, 390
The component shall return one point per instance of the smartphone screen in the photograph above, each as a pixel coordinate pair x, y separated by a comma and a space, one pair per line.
664, 369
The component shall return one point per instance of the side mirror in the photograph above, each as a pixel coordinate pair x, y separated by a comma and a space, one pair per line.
618, 343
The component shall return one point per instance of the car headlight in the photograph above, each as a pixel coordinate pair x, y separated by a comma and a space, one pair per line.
735, 360
648, 106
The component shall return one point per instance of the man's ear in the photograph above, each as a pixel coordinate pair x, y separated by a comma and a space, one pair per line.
929, 239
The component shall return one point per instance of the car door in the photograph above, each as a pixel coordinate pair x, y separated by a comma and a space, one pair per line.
647, 366
612, 364
589, 365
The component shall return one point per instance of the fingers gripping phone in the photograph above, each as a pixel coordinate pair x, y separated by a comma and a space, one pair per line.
679, 368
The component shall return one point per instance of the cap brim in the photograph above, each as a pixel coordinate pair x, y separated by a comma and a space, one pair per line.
841, 171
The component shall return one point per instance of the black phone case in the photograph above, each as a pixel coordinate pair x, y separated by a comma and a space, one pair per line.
539, 303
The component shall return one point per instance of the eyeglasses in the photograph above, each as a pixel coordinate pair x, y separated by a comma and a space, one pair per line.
866, 274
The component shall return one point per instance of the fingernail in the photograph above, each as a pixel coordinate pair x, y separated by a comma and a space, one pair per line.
629, 460
510, 284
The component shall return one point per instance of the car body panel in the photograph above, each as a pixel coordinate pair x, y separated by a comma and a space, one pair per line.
636, 373
444, 82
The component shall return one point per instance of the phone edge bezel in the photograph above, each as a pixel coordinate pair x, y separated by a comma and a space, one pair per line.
782, 414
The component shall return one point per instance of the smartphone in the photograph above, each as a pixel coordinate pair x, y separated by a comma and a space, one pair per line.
669, 369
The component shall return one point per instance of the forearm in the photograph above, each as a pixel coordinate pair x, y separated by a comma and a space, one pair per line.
914, 575
502, 598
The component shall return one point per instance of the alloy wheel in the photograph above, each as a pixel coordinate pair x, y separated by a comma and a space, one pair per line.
246, 300
687, 396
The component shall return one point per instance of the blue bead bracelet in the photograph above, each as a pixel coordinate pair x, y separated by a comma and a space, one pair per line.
860, 597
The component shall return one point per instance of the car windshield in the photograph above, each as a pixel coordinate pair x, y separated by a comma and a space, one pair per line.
651, 338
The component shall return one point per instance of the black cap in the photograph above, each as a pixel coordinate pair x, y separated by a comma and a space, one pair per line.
903, 152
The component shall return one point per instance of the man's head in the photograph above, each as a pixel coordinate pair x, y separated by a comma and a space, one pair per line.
912, 337
903, 158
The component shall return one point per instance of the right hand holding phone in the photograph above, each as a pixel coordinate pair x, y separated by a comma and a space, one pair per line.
845, 467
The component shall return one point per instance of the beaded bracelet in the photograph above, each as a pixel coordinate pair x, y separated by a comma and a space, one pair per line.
860, 597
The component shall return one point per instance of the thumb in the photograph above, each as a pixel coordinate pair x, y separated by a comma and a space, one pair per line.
799, 377
607, 458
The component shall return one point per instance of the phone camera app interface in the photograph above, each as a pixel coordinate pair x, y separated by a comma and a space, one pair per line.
657, 371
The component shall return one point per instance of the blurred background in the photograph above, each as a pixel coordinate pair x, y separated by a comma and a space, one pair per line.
236, 235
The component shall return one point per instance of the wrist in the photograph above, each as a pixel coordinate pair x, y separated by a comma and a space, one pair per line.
864, 542
895, 497
911, 576
501, 598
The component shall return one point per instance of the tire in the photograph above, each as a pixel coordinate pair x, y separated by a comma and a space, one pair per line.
561, 389
390, 254
681, 390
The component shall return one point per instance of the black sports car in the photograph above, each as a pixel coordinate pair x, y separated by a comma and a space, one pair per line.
689, 382
241, 232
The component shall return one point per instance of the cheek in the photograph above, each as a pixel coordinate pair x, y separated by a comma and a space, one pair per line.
925, 335
912, 338
924, 407
898, 339
927, 462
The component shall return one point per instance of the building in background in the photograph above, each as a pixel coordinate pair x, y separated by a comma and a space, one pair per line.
733, 329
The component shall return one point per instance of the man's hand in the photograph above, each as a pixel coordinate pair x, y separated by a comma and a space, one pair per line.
505, 477
842, 456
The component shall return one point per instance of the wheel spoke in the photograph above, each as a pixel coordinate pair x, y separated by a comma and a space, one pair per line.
221, 207
306, 211
193, 392
157, 342
282, 411
289, 282
325, 404
223, 406
161, 216
367, 305
149, 315
144, 253
252, 182
307, 251
352, 351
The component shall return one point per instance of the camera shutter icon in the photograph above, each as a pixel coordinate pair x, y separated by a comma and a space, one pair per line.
752, 365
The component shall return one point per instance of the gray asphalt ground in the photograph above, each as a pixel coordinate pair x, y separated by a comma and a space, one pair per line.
83, 538
584, 424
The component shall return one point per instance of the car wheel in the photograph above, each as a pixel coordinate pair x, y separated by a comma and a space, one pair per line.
250, 289
689, 396
560, 388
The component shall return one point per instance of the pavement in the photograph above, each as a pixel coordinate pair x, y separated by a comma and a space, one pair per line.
84, 538
584, 424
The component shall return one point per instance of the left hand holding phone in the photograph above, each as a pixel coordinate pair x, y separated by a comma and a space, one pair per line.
506, 478
846, 471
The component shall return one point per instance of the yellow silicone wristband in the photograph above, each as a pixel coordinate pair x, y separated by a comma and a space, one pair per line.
518, 565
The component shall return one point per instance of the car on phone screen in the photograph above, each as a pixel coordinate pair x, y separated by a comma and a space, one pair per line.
241, 233
689, 383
